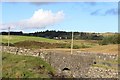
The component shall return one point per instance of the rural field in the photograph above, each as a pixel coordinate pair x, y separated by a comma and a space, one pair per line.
19, 66
60, 40
39, 42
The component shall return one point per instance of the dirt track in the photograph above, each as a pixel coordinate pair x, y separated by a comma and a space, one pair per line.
68, 51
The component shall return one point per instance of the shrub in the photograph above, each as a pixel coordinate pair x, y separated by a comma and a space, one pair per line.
76, 47
6, 44
114, 39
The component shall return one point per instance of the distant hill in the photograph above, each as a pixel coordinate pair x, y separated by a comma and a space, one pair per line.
60, 35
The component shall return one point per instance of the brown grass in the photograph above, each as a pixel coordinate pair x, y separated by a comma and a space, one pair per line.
108, 34
112, 49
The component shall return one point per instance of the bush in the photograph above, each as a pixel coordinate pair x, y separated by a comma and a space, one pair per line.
76, 47
114, 39
6, 44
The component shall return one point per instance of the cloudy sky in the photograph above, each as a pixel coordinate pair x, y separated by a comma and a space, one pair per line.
66, 16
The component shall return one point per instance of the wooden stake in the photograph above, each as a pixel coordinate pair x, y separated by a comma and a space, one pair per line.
9, 38
72, 43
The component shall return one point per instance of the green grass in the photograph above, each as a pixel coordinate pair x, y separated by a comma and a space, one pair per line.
83, 43
61, 43
14, 39
15, 66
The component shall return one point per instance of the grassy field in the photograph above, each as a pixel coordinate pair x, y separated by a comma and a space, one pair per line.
14, 39
50, 43
111, 48
39, 42
15, 66
84, 43
18, 66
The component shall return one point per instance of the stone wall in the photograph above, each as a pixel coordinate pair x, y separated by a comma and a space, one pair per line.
78, 64
103, 58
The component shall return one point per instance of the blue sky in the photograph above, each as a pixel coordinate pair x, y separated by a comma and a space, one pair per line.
79, 16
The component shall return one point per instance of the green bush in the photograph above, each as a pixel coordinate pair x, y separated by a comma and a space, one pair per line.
6, 44
114, 39
76, 47
64, 46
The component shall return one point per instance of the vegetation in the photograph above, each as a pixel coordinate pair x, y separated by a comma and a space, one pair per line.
60, 35
16, 38
112, 39
38, 42
111, 49
19, 66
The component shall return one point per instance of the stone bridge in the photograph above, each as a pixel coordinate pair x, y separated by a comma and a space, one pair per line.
76, 64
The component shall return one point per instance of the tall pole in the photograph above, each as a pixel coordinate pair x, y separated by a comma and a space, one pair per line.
72, 43
8, 37
71, 49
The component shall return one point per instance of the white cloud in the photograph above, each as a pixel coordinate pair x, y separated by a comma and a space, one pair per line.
40, 19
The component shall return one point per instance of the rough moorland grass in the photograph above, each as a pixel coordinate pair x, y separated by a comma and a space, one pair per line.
111, 49
14, 39
81, 43
62, 43
15, 66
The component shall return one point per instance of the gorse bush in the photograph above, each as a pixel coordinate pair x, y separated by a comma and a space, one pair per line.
114, 39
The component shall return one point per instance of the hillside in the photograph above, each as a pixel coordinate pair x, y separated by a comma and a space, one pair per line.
44, 43
19, 66
14, 39
39, 42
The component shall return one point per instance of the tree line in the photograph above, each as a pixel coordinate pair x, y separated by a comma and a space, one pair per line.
52, 34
